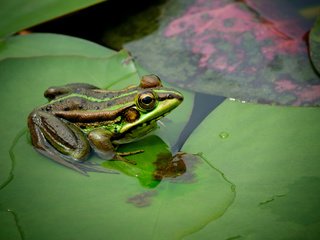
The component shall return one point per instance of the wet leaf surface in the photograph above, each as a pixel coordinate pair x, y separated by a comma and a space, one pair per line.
271, 154
102, 204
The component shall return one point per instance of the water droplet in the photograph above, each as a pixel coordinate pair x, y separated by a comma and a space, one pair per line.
224, 135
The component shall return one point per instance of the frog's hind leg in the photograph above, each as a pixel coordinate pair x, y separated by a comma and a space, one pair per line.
61, 160
58, 140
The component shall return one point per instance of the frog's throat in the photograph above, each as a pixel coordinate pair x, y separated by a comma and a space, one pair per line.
136, 133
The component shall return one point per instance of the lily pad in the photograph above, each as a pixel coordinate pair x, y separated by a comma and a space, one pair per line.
17, 15
46, 197
36, 45
271, 154
33, 177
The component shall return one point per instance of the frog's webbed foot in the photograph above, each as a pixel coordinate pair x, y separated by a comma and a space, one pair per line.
123, 154
120, 156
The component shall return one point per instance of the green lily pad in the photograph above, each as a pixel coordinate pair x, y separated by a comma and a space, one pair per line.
272, 155
17, 15
149, 165
46, 197
36, 45
315, 45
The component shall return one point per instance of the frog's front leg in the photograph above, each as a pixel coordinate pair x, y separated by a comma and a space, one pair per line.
59, 140
100, 140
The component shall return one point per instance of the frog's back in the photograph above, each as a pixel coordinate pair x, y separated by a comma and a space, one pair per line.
90, 99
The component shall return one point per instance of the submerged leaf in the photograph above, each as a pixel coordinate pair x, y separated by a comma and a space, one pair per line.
238, 49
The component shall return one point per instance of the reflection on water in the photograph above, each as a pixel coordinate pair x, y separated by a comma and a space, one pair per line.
202, 106
168, 166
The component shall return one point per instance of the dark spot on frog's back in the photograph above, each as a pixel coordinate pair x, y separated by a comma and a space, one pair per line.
75, 103
48, 108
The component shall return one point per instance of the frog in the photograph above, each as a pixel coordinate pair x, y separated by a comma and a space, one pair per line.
80, 119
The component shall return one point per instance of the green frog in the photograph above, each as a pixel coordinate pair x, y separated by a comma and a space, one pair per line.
81, 117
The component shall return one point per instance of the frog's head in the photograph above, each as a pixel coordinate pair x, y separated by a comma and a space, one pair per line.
151, 102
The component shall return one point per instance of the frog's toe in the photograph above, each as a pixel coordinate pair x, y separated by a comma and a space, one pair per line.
118, 157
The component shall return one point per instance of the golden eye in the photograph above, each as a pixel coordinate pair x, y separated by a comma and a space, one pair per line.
147, 101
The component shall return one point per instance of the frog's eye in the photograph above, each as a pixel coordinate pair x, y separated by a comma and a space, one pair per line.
147, 101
